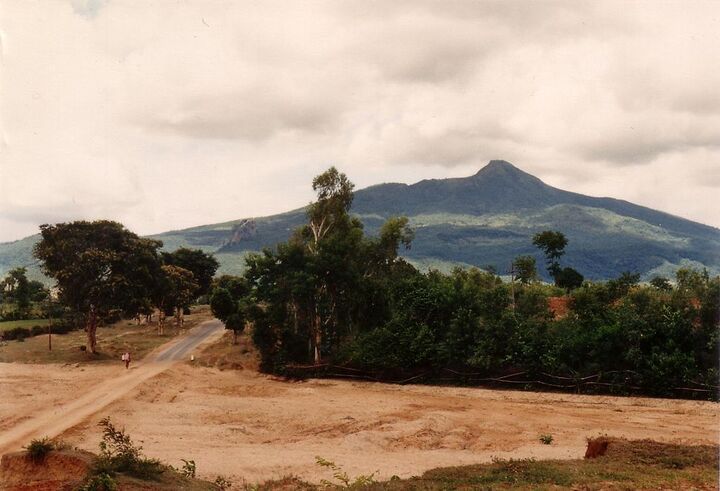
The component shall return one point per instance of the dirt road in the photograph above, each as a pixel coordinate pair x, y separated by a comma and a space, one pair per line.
99, 393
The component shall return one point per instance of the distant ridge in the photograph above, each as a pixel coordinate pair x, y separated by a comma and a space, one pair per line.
485, 219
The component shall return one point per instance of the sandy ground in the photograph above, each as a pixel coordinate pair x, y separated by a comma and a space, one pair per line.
250, 427
46, 400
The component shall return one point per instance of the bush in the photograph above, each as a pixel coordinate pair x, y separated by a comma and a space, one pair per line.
119, 454
16, 333
100, 482
39, 449
546, 439
188, 469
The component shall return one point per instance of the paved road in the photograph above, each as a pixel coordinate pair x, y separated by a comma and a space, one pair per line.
54, 421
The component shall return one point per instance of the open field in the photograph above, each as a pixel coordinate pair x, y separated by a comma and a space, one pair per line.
252, 427
5, 325
113, 340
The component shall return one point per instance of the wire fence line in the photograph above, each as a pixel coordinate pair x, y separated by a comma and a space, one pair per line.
618, 382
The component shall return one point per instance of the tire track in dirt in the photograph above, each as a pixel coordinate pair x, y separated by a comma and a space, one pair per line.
56, 420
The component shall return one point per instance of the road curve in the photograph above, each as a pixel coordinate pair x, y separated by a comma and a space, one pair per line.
56, 420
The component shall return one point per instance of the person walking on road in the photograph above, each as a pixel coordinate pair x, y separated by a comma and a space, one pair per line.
126, 359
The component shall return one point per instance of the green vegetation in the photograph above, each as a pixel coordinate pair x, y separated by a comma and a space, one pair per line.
114, 339
104, 271
333, 301
636, 465
27, 323
342, 479
118, 454
38, 449
546, 439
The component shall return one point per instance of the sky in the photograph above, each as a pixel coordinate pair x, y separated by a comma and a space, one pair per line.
168, 114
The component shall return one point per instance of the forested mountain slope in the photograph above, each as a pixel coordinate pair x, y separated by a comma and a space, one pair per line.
484, 220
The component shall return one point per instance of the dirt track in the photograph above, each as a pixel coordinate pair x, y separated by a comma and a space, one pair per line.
52, 417
248, 426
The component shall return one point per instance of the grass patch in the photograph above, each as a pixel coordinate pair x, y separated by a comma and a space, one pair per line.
627, 465
7, 325
113, 341
224, 355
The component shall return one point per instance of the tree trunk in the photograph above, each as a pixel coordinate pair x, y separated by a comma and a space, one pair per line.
91, 329
161, 322
318, 337
234, 336
178, 316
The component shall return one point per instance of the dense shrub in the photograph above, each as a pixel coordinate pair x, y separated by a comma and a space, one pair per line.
38, 449
118, 453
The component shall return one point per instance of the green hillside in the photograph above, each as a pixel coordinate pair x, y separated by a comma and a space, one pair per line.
481, 220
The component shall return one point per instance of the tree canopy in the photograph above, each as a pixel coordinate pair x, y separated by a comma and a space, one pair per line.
99, 267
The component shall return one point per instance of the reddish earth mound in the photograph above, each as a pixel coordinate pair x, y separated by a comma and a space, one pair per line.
559, 306
596, 447
59, 471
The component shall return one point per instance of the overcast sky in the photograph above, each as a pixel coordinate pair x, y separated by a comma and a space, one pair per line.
168, 114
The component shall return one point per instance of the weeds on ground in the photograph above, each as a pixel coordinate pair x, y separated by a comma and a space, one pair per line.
119, 454
223, 483
99, 482
546, 439
188, 469
342, 477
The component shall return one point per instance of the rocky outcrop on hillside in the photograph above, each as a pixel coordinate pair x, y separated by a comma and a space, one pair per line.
246, 229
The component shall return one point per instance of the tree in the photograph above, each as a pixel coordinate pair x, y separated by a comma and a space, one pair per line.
100, 267
525, 269
335, 195
553, 246
661, 283
176, 288
621, 286
17, 288
228, 306
201, 264
569, 279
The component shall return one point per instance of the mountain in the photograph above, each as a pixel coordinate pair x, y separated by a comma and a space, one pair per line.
483, 220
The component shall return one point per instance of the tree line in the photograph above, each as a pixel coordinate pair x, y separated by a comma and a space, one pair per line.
102, 271
331, 295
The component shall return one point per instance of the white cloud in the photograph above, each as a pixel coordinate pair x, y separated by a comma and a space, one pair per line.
165, 114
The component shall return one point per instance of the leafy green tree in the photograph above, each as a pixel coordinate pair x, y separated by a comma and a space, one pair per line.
621, 286
175, 291
661, 283
38, 291
525, 269
330, 211
568, 278
552, 244
100, 267
201, 264
230, 304
17, 289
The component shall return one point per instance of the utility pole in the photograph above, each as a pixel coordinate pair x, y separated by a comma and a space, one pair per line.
512, 284
49, 325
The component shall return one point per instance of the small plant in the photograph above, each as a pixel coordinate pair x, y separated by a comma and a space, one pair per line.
188, 469
39, 448
223, 482
119, 454
100, 482
340, 475
546, 439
